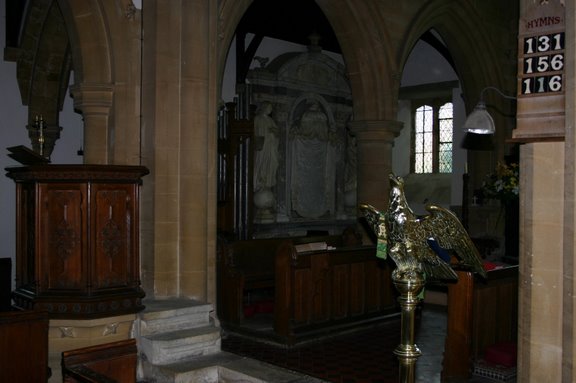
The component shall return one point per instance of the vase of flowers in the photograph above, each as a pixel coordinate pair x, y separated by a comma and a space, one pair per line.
503, 185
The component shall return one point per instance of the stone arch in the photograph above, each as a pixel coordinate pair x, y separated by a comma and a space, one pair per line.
105, 70
363, 36
475, 67
89, 38
461, 28
229, 16
369, 51
374, 78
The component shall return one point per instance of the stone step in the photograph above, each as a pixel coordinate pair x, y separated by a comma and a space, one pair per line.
169, 315
180, 342
170, 347
223, 367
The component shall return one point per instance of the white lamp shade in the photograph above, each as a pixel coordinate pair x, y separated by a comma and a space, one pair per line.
480, 121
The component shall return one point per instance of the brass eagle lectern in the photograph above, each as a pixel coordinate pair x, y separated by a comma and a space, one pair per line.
420, 247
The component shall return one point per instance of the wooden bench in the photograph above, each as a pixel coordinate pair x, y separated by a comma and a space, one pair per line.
103, 363
320, 291
245, 267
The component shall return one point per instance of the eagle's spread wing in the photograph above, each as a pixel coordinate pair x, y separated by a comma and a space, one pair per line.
444, 227
417, 241
377, 222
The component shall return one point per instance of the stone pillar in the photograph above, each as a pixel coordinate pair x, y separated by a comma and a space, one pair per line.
374, 140
541, 319
95, 102
179, 147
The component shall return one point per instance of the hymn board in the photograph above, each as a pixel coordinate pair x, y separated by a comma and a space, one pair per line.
541, 74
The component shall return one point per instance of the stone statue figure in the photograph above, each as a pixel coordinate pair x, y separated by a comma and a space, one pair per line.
312, 168
265, 163
266, 156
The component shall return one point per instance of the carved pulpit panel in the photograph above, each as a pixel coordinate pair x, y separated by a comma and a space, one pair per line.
114, 210
61, 239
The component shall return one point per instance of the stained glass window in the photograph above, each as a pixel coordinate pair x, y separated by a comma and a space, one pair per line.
445, 123
423, 140
433, 134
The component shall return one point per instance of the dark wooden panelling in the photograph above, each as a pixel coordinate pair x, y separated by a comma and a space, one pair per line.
24, 346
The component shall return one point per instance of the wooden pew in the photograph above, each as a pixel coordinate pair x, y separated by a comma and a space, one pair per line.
24, 346
480, 313
103, 363
243, 266
248, 266
320, 291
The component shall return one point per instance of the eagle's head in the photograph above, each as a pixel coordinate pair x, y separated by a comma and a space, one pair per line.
398, 204
396, 188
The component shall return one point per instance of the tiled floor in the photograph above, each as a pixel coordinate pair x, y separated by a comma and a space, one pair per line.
361, 357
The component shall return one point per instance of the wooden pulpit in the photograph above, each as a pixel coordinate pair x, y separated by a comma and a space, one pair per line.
77, 245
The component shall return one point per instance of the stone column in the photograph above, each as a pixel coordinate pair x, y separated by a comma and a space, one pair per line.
179, 147
374, 140
95, 102
542, 322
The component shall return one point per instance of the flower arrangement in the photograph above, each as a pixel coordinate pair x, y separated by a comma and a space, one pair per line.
502, 184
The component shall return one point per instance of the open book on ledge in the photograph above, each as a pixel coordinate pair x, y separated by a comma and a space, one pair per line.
313, 246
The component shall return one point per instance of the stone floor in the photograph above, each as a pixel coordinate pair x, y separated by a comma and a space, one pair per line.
361, 357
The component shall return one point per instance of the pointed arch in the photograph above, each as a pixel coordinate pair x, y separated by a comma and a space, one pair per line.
106, 69
229, 15
461, 27
90, 41
365, 41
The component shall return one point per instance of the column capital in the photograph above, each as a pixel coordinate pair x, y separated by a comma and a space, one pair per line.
376, 130
375, 139
95, 101
93, 98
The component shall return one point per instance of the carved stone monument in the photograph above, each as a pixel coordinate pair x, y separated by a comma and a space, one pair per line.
315, 184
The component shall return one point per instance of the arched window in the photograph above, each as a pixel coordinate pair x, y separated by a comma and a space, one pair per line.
432, 138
